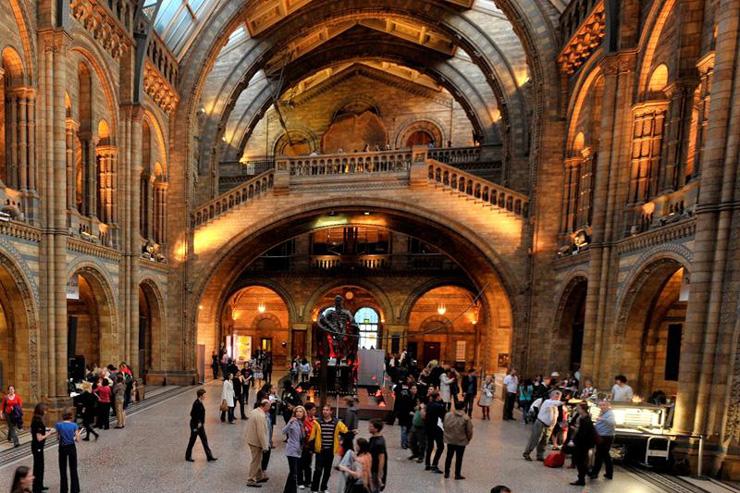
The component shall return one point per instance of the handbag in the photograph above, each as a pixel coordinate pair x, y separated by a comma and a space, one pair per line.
224, 407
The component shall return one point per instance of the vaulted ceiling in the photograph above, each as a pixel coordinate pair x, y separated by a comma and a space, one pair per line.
248, 54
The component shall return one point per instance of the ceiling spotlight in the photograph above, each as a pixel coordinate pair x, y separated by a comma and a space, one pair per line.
367, 213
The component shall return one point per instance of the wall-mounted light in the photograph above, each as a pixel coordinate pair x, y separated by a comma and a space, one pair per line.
441, 309
261, 307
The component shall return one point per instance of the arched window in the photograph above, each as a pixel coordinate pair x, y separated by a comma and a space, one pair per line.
367, 319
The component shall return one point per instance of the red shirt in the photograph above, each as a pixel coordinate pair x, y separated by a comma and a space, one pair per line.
8, 404
103, 394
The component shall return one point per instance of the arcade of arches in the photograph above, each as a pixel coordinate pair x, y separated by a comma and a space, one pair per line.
539, 184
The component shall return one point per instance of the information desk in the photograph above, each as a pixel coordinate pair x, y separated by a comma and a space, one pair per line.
649, 422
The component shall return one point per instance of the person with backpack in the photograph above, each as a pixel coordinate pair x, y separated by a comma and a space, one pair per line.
11, 410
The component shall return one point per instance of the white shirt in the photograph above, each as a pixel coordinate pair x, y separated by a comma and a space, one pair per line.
548, 414
621, 394
512, 383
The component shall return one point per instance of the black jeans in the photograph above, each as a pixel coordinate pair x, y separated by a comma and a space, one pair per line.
265, 460
324, 461
199, 431
458, 451
580, 458
240, 400
291, 483
418, 442
104, 410
434, 438
229, 413
469, 400
38, 467
602, 456
509, 405
304, 474
68, 454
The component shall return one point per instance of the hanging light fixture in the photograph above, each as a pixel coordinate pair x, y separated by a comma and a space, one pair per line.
441, 309
261, 307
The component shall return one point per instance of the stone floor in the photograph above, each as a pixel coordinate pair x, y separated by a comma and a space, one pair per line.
148, 455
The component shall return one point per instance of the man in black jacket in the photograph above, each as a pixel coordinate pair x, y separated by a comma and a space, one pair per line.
197, 427
435, 413
470, 389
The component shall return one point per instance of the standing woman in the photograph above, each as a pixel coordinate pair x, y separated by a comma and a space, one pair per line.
356, 466
104, 398
239, 393
227, 396
295, 432
39, 434
583, 441
8, 410
445, 379
486, 397
69, 433
525, 398
257, 372
22, 480
89, 403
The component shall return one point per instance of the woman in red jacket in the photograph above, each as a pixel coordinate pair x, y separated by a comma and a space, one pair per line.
10, 401
104, 398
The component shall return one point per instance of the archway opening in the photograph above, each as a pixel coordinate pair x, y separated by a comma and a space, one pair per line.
568, 344
150, 324
445, 324
90, 339
14, 328
254, 320
654, 329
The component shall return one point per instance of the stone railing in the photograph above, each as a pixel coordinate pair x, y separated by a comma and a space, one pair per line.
348, 164
477, 188
456, 155
249, 190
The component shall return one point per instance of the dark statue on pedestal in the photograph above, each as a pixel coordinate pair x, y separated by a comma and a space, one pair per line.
340, 331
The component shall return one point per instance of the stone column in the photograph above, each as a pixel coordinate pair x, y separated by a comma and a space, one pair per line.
23, 140
709, 338
89, 161
160, 211
106, 186
11, 171
71, 130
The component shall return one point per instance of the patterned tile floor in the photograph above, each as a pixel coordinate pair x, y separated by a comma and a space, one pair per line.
148, 456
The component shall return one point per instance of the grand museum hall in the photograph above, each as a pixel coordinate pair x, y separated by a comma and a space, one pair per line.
405, 213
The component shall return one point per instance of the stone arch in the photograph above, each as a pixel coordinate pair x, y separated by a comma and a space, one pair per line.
586, 81
571, 308
109, 351
293, 314
155, 125
636, 316
20, 321
14, 66
93, 56
23, 21
648, 42
265, 316
420, 290
280, 143
386, 308
153, 344
427, 125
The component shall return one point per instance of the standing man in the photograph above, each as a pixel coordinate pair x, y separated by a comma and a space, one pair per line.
470, 389
197, 427
69, 434
457, 435
214, 364
435, 413
259, 442
325, 434
543, 425
605, 425
403, 407
511, 384
379, 454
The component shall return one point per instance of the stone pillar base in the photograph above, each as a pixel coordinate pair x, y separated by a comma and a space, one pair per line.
183, 377
715, 462
56, 408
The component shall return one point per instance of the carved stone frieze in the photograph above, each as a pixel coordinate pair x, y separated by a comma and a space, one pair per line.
159, 89
584, 41
104, 28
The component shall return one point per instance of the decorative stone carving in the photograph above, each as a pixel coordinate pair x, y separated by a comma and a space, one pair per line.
159, 89
106, 29
584, 42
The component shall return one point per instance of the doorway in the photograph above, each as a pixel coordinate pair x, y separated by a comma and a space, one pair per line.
432, 351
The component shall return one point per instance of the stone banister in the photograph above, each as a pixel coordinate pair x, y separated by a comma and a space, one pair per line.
477, 188
456, 155
247, 191
349, 163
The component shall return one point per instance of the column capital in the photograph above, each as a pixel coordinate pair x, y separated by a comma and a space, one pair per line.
706, 63
106, 150
71, 124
